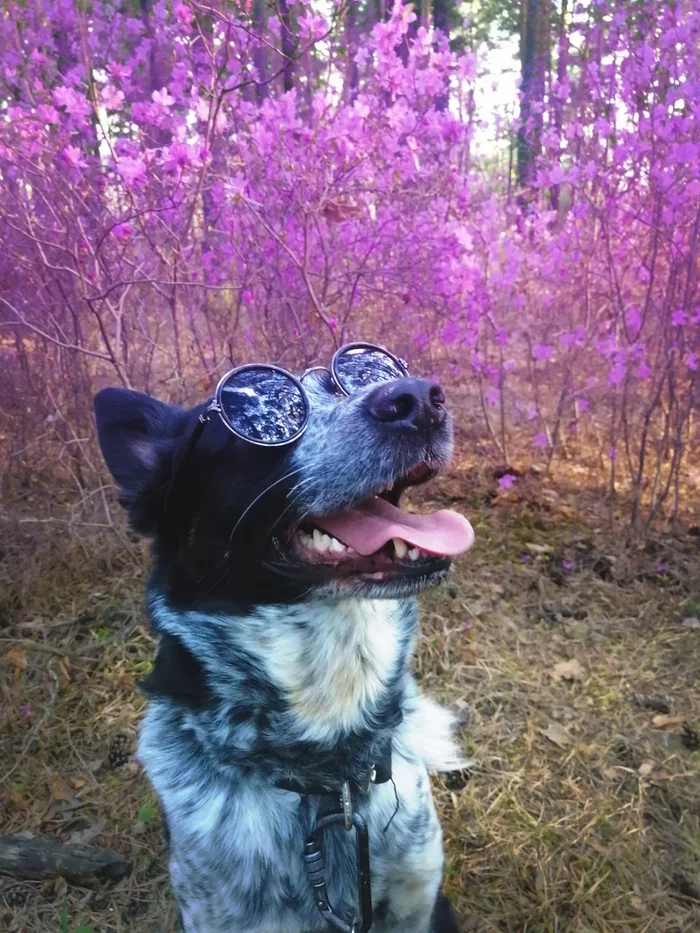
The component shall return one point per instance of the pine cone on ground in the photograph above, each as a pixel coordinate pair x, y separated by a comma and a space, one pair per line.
119, 752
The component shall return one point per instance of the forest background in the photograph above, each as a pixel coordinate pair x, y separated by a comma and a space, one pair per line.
506, 194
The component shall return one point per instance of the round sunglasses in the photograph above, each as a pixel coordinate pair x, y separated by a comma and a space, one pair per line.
267, 406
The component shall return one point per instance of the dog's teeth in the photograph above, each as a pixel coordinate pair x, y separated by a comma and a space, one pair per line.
413, 554
400, 548
337, 546
321, 542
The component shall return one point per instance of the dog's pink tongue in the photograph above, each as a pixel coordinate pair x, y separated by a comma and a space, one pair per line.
369, 526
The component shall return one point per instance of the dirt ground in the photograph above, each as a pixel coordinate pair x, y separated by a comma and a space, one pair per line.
572, 651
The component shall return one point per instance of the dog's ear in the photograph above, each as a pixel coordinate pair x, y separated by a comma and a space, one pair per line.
137, 435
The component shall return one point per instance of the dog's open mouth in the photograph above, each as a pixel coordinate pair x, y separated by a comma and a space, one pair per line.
376, 539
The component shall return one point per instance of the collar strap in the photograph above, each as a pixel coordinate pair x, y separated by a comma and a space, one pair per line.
379, 773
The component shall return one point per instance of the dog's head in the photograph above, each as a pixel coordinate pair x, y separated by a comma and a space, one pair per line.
319, 517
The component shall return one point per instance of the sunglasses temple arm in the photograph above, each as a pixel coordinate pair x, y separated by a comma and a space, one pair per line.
185, 451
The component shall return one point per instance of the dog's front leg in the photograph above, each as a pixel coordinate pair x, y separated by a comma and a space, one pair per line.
412, 884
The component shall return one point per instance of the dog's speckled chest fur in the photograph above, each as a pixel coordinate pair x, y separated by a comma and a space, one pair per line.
335, 682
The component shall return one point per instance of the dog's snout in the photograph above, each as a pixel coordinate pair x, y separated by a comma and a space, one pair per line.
408, 403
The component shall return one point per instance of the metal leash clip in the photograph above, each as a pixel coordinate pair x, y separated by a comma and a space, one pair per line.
316, 869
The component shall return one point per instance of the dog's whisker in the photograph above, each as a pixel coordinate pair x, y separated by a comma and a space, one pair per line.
258, 498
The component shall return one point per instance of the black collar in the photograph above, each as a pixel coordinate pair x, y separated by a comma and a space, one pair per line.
379, 773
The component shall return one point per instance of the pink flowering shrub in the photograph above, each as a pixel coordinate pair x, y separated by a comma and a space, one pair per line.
168, 209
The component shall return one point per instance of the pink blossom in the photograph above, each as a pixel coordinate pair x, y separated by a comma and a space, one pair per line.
506, 481
112, 99
542, 351
177, 157
74, 157
633, 318
75, 104
617, 373
692, 361
162, 99
449, 333
312, 26
182, 13
679, 318
122, 231
643, 371
540, 440
133, 171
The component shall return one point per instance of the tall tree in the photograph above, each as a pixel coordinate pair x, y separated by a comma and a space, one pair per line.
259, 51
534, 63
287, 45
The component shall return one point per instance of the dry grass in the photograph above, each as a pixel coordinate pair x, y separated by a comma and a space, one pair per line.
594, 828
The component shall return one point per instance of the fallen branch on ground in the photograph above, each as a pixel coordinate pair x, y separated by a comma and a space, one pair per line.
38, 858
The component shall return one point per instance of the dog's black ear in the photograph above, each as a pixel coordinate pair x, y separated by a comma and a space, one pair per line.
137, 435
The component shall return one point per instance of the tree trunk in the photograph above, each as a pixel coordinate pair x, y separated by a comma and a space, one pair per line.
159, 66
562, 62
259, 51
352, 78
287, 45
534, 54
441, 12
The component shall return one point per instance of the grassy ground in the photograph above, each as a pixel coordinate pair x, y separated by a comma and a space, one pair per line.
573, 653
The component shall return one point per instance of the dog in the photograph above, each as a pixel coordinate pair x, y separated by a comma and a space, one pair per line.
281, 684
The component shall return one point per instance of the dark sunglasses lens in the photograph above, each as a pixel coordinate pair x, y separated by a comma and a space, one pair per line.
263, 405
358, 367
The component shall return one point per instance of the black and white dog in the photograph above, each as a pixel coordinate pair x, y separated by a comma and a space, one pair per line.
282, 673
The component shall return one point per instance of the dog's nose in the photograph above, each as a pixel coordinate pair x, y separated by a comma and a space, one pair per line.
408, 403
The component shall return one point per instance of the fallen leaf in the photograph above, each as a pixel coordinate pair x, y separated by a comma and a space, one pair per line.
556, 734
692, 622
60, 791
78, 783
60, 886
13, 799
646, 768
661, 720
18, 658
85, 836
567, 670
538, 549
611, 773
64, 672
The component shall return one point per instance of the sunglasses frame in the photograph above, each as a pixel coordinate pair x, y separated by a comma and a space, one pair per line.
215, 403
